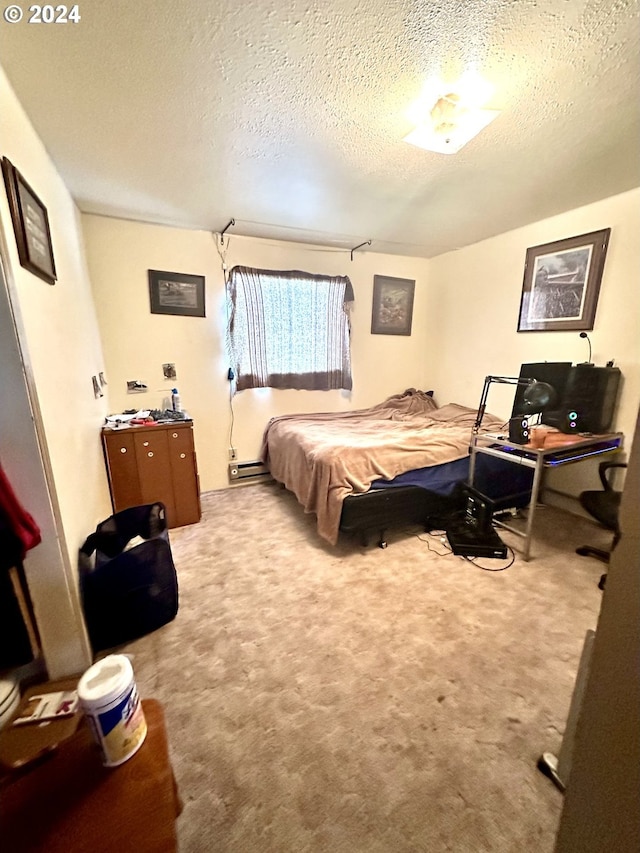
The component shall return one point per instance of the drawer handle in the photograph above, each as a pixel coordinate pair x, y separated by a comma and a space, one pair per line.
145, 444
183, 456
123, 450
175, 435
150, 453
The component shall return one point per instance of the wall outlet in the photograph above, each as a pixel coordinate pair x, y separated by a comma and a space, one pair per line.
232, 454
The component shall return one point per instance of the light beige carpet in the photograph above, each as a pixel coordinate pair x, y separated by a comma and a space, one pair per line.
360, 700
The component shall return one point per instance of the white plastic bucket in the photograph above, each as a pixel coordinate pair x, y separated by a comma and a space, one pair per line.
109, 697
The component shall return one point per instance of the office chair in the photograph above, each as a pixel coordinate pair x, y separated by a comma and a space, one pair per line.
603, 505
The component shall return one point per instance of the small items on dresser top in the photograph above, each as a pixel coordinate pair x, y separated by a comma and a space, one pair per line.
144, 417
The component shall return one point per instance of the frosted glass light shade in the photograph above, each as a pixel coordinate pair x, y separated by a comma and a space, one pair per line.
455, 135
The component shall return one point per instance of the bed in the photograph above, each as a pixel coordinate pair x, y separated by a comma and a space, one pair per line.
398, 462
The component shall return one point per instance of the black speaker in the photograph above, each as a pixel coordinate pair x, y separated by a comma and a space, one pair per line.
569, 420
589, 400
519, 430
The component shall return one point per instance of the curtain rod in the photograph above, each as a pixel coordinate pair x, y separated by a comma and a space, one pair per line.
232, 222
225, 229
366, 243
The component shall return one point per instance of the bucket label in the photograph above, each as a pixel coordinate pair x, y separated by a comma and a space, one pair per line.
122, 728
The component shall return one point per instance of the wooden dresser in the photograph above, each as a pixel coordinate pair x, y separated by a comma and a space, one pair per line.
154, 463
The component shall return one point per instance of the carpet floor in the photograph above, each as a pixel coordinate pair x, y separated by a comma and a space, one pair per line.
361, 700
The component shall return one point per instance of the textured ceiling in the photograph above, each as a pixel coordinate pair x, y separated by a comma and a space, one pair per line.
289, 116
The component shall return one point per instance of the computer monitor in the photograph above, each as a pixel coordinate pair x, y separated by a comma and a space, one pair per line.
555, 374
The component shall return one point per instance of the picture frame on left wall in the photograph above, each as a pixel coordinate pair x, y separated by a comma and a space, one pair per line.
30, 224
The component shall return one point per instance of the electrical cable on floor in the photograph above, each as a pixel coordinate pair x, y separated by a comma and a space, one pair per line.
488, 568
439, 535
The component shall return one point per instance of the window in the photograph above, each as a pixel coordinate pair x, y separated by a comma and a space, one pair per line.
289, 329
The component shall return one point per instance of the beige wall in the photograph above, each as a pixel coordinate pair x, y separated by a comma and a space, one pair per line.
473, 306
465, 321
61, 346
137, 343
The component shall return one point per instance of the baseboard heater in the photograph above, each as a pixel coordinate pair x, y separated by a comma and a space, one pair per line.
248, 471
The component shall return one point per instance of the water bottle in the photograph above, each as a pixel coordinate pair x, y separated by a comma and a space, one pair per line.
175, 400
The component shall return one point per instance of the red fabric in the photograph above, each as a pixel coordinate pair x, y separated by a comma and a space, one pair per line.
21, 523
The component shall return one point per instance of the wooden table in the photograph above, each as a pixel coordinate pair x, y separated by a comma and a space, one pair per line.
70, 803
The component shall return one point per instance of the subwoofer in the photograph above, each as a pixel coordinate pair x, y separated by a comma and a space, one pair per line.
589, 401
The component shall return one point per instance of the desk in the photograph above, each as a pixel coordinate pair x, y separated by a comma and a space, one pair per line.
539, 459
70, 803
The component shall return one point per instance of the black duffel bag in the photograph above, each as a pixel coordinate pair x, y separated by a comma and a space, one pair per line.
128, 589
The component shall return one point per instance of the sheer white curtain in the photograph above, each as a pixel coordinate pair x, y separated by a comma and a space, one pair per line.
289, 329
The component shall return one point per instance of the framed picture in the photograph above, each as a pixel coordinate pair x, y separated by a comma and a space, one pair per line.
30, 224
392, 305
176, 293
562, 282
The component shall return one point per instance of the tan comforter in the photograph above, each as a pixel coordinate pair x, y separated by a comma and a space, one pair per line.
324, 457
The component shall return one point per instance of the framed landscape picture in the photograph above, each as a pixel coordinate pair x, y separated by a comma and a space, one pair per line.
562, 283
392, 312
30, 224
176, 293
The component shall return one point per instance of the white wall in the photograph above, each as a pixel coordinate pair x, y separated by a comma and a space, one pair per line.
473, 307
61, 346
137, 343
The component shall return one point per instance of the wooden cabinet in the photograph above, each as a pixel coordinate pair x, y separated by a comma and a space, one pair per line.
154, 463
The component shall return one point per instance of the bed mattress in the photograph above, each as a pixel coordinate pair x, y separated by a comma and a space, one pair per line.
323, 458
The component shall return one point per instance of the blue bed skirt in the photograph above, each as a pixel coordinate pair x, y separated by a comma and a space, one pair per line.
430, 496
505, 483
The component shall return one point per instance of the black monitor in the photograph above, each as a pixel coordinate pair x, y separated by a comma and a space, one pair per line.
555, 374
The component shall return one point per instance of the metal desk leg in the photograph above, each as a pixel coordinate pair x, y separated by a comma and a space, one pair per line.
535, 489
472, 464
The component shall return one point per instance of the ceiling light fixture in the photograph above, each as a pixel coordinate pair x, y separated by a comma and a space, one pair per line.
449, 116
